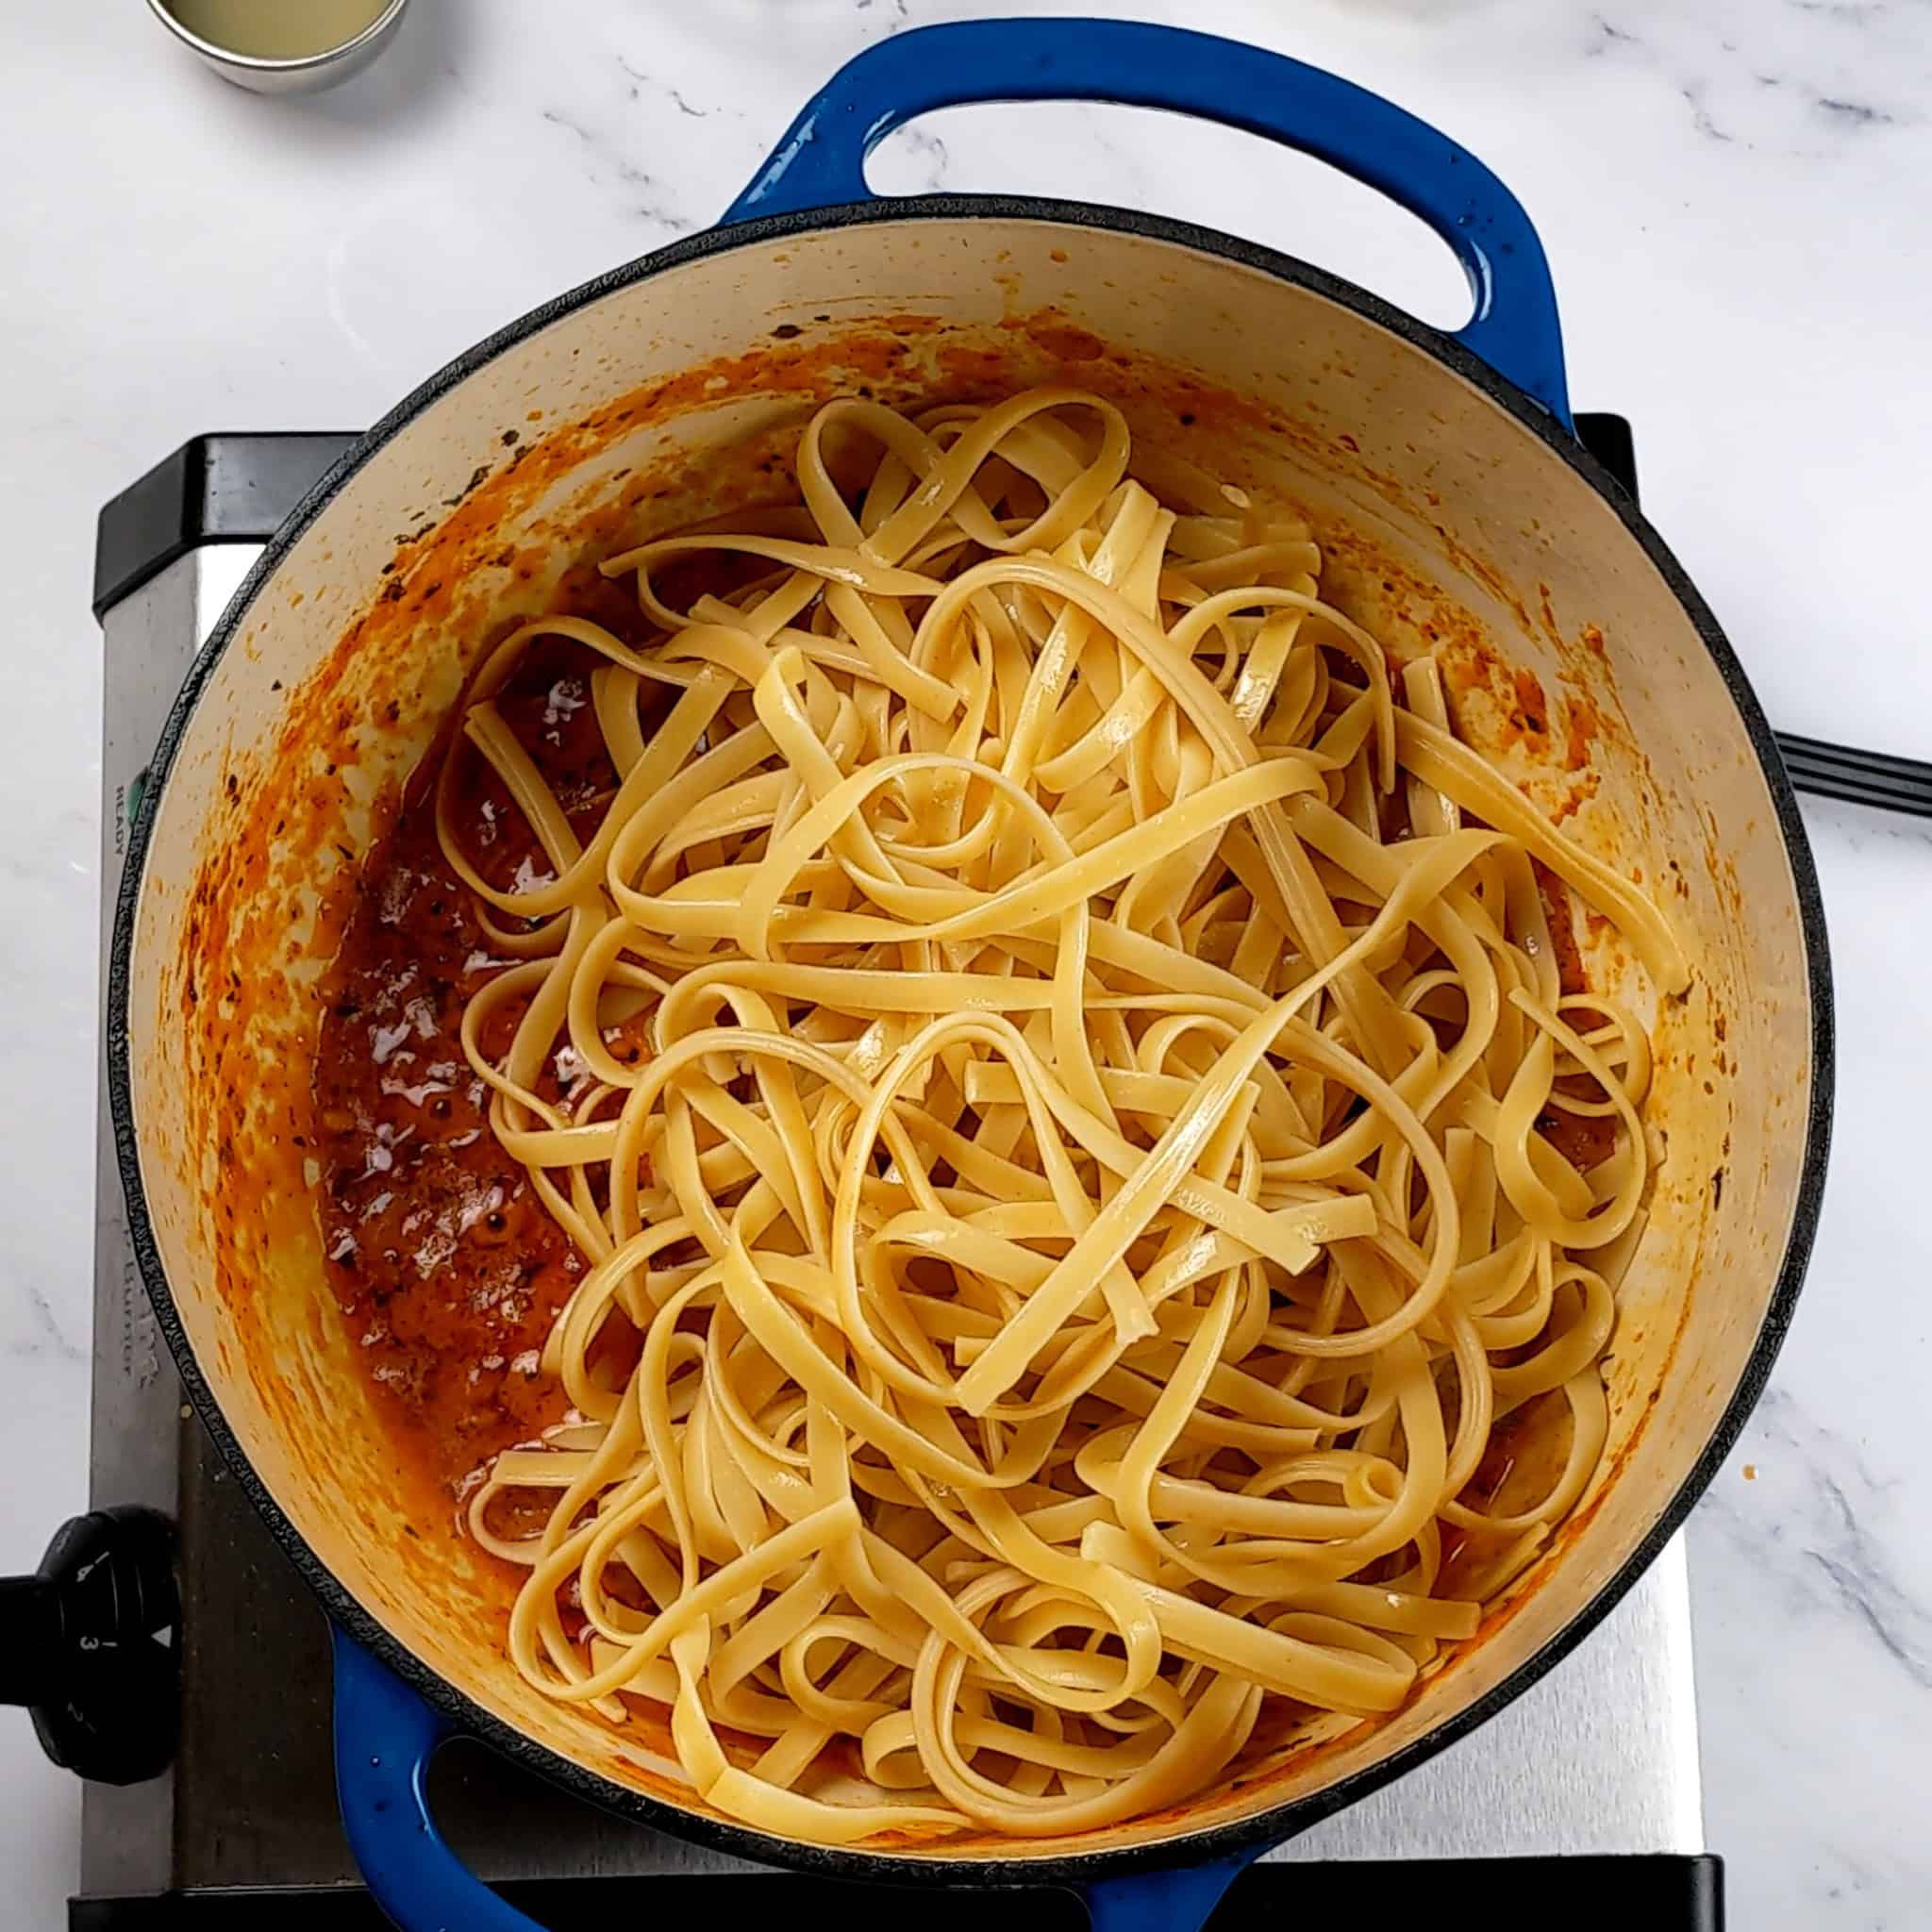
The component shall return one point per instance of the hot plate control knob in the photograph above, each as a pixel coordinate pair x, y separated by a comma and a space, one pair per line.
89, 1645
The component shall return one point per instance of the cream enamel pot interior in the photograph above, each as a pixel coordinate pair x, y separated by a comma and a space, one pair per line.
1457, 514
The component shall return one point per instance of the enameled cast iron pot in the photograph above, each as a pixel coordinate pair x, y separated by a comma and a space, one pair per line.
1459, 514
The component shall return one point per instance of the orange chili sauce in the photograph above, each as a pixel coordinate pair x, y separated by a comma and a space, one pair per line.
448, 1268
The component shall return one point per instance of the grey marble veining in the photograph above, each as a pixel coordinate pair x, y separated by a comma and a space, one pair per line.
1734, 195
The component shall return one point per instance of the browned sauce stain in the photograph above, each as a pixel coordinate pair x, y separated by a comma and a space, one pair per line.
1071, 345
1529, 714
1582, 721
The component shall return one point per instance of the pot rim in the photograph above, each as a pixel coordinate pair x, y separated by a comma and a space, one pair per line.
1280, 1822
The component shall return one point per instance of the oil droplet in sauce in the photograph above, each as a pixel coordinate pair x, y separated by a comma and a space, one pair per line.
276, 30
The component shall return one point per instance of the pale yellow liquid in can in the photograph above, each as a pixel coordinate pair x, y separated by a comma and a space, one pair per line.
275, 29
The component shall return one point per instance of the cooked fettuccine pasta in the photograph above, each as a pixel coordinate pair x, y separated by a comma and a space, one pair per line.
1078, 1131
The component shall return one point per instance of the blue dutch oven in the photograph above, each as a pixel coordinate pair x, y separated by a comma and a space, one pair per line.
1452, 453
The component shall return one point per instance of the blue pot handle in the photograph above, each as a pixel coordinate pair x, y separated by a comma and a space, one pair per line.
820, 160
385, 1738
1179, 1901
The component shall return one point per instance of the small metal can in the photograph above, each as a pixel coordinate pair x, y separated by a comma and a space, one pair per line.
304, 74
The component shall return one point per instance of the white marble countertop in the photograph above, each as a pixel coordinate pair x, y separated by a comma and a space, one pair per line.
1733, 194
